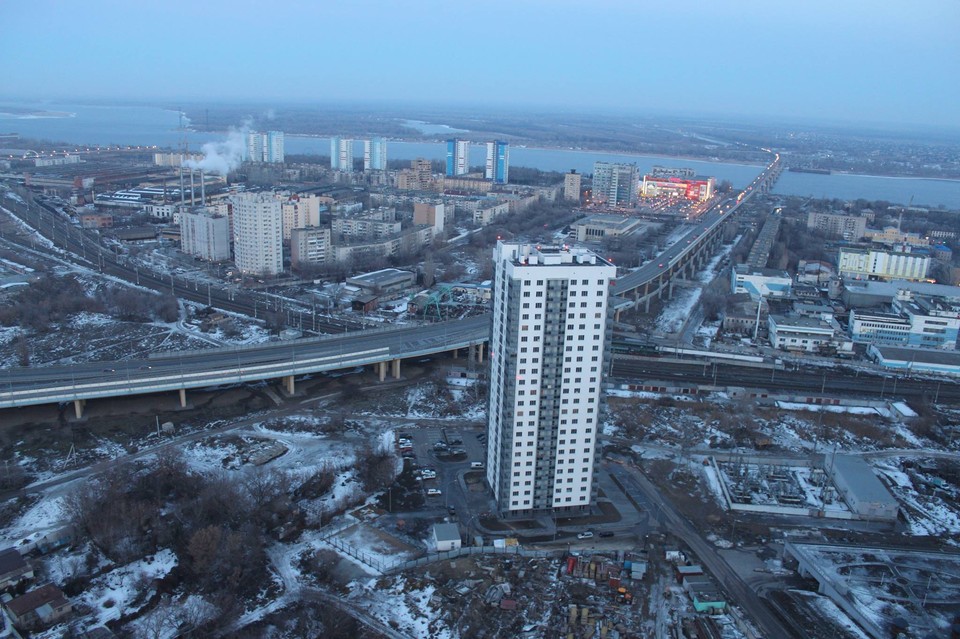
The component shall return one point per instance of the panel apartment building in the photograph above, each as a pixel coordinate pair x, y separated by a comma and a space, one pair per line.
548, 348
258, 233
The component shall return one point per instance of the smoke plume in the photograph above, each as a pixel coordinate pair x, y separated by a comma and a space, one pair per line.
220, 157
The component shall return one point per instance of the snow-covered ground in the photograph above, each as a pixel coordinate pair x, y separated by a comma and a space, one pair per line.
118, 593
926, 511
679, 309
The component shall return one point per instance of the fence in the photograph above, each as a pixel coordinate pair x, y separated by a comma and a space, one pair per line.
474, 550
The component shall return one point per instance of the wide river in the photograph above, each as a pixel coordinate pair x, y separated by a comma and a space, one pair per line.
151, 126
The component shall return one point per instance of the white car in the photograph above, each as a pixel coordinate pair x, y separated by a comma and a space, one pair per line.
585, 535
434, 492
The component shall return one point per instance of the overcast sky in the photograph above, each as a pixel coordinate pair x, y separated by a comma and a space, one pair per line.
844, 60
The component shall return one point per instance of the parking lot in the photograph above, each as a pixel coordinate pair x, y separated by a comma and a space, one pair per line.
443, 456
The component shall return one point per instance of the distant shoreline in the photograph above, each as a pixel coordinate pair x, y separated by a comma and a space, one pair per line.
549, 148
26, 114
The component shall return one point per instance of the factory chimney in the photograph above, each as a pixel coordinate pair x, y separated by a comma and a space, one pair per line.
203, 190
182, 190
193, 188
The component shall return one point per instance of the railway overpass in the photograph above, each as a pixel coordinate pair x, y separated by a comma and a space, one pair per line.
382, 348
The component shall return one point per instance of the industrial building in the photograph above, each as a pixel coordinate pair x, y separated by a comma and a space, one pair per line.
871, 263
921, 360
548, 348
865, 293
806, 334
914, 321
385, 280
763, 282
866, 496
597, 228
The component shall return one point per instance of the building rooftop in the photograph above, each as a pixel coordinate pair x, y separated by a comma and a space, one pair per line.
744, 269
919, 251
609, 221
800, 322
531, 255
10, 561
446, 532
885, 317
861, 479
44, 595
381, 277
891, 288
919, 355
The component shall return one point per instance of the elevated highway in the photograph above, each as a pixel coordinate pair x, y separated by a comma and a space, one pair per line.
656, 278
383, 348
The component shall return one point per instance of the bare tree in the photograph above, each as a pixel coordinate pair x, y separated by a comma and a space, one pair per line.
23, 349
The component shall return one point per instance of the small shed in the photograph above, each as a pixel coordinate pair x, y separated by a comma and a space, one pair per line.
13, 568
364, 303
683, 572
705, 594
447, 537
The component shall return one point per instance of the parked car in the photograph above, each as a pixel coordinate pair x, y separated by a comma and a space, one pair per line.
586, 534
606, 533
434, 492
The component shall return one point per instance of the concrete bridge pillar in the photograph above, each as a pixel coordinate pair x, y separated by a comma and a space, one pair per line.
183, 398
395, 366
382, 370
670, 290
456, 353
480, 353
646, 307
288, 384
78, 405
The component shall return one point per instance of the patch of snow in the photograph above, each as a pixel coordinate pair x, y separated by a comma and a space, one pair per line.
112, 595
814, 408
43, 517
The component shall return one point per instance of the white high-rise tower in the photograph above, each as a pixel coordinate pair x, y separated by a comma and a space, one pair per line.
548, 348
258, 233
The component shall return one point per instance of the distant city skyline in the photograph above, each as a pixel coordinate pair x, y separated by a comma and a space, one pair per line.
852, 61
